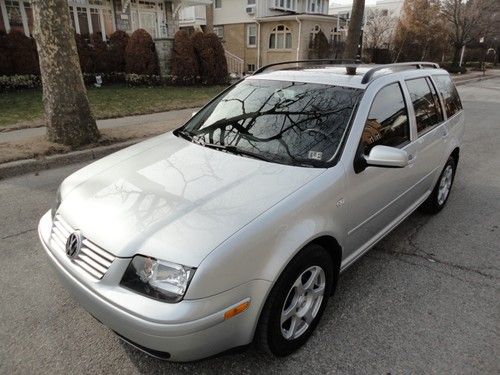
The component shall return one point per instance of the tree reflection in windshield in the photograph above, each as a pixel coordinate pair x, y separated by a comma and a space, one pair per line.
286, 122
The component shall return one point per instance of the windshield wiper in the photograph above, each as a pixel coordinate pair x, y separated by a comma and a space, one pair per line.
235, 150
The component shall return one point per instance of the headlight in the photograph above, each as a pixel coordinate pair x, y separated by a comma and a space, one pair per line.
157, 279
56, 204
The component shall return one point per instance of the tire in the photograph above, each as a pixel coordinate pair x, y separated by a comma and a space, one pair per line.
271, 334
436, 201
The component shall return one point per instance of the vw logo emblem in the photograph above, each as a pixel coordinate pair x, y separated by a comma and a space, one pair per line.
73, 244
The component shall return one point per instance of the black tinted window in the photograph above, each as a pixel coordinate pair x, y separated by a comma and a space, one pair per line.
387, 123
426, 104
449, 93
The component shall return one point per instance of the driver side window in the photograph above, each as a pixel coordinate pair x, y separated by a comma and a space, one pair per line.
387, 123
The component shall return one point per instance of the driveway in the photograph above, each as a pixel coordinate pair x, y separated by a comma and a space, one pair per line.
424, 300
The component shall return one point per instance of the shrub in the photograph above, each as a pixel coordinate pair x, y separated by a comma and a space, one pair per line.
143, 80
220, 71
140, 54
117, 45
22, 53
85, 54
451, 68
211, 58
101, 54
18, 82
320, 48
107, 78
5, 61
184, 63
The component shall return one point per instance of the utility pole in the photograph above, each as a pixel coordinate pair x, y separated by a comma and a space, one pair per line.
354, 31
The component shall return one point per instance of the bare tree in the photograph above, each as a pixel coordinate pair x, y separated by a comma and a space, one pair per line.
67, 111
379, 29
354, 31
421, 32
468, 20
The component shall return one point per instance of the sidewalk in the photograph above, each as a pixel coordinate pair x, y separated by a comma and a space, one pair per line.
167, 120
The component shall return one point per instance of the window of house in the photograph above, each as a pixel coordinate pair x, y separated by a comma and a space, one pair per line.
14, 15
280, 38
96, 21
2, 24
285, 4
251, 2
425, 103
251, 36
92, 17
387, 123
219, 31
449, 93
218, 4
316, 6
315, 30
83, 22
251, 68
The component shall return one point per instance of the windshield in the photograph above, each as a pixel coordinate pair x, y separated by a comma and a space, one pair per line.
291, 123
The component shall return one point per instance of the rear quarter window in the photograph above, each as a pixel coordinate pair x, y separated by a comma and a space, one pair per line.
449, 93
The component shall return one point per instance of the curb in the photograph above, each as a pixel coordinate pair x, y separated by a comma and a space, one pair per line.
461, 82
20, 167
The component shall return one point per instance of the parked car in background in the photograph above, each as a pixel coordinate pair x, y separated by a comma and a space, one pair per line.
236, 226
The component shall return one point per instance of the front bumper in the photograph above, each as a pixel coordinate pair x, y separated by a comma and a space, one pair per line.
188, 330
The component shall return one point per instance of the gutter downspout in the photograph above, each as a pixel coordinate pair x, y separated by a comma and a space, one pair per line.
258, 43
300, 35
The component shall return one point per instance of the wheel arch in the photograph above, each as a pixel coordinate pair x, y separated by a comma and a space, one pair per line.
455, 154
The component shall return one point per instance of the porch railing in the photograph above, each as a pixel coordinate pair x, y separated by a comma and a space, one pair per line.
235, 64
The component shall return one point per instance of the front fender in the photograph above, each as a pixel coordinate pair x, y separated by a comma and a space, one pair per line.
263, 248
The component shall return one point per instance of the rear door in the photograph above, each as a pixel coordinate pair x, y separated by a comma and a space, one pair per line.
432, 133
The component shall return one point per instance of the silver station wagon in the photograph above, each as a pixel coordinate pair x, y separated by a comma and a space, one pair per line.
235, 227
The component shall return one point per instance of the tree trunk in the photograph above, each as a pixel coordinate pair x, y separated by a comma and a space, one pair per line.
457, 50
354, 31
67, 111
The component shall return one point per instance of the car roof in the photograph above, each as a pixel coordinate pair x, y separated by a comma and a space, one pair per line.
337, 75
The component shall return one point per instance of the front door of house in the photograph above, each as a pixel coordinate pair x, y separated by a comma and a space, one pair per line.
148, 22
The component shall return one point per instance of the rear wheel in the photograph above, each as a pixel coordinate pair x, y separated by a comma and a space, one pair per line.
441, 191
296, 302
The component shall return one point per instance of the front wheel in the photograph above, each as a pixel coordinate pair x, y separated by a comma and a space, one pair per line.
441, 191
296, 302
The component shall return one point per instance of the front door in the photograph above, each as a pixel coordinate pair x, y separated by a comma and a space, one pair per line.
148, 22
378, 196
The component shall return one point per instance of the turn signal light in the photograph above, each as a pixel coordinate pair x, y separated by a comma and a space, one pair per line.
236, 310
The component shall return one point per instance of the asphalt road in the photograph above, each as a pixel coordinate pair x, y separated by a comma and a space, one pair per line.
424, 300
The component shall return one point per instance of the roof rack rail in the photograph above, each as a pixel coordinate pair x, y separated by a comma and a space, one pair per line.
345, 62
416, 65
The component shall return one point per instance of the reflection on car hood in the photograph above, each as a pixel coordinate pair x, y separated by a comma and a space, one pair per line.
172, 199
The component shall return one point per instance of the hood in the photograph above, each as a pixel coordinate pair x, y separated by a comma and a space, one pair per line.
172, 199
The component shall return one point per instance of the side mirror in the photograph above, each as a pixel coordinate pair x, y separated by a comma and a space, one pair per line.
388, 157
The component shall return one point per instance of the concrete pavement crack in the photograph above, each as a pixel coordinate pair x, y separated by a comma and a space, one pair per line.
18, 233
420, 253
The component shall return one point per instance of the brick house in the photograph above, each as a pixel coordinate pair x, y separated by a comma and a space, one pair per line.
259, 32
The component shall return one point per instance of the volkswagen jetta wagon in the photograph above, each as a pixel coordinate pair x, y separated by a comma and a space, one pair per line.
235, 227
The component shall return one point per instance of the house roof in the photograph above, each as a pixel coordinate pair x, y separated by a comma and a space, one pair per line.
295, 16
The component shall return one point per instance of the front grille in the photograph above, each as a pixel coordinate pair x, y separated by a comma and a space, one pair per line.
91, 258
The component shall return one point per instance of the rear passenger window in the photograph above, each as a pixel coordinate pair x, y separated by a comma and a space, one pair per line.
449, 93
425, 102
387, 123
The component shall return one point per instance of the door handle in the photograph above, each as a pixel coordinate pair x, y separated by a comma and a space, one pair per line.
445, 133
